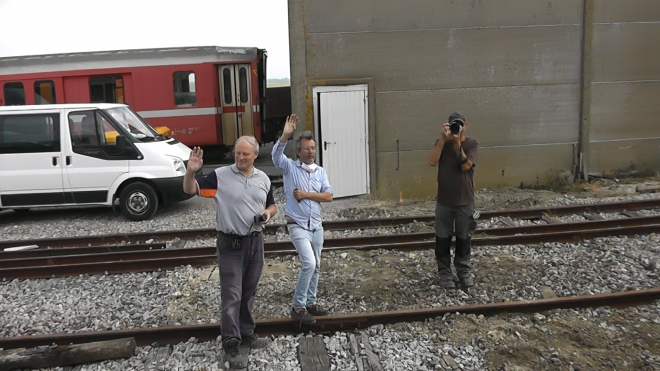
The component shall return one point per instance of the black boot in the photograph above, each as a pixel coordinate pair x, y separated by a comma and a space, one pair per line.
443, 257
232, 354
462, 261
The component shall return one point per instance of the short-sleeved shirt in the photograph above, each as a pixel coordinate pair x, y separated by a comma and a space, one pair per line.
239, 198
455, 186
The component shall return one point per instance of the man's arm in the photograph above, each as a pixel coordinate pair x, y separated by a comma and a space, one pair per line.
316, 196
189, 183
195, 162
436, 152
468, 156
324, 196
279, 160
271, 206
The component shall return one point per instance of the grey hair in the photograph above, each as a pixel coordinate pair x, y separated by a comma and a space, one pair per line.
250, 139
306, 135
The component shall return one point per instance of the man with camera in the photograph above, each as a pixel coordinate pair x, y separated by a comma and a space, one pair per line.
245, 202
455, 155
305, 186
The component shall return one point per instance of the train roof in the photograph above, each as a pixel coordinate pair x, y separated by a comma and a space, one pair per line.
61, 106
124, 58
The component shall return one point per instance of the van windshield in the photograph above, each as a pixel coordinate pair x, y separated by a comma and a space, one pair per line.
132, 123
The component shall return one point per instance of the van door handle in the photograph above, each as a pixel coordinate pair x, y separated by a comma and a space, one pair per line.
68, 160
54, 161
325, 145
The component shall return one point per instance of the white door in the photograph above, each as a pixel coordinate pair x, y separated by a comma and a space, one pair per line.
341, 115
91, 162
31, 165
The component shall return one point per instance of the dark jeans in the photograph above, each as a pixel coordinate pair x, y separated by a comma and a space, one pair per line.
460, 216
240, 271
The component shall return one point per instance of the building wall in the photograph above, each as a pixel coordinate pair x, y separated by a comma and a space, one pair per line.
513, 67
624, 132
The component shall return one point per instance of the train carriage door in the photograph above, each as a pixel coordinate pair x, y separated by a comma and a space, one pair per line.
236, 96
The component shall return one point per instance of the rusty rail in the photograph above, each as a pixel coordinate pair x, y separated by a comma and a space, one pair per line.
330, 324
48, 256
152, 260
141, 237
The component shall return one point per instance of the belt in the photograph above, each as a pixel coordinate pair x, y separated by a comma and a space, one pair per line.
251, 234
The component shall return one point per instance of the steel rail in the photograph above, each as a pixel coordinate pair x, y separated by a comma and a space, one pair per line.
206, 255
24, 258
331, 324
141, 237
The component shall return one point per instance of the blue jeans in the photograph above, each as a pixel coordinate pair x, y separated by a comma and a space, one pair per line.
309, 245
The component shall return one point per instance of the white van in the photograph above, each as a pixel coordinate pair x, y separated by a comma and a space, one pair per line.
87, 154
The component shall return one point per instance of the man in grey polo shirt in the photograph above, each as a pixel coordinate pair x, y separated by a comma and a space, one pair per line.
244, 198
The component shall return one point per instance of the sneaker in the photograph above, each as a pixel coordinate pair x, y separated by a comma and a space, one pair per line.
317, 310
254, 341
232, 354
302, 316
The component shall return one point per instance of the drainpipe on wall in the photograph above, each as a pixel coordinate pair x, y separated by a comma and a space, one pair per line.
585, 89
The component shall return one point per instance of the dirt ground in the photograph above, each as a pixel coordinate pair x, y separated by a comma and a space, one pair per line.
621, 340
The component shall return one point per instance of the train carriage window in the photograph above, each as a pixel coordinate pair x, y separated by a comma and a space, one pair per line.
30, 133
184, 89
242, 80
14, 94
44, 92
106, 89
226, 85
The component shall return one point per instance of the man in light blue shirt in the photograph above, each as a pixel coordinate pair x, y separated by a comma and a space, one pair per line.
305, 187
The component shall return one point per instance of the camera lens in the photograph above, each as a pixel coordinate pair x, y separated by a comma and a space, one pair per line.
454, 128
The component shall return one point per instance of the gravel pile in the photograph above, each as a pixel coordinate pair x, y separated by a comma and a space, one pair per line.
351, 281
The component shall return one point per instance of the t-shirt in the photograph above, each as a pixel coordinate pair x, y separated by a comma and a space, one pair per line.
239, 198
455, 186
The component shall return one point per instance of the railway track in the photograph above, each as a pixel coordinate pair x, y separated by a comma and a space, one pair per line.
46, 263
330, 324
160, 236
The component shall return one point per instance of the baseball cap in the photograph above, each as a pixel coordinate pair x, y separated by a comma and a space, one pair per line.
456, 116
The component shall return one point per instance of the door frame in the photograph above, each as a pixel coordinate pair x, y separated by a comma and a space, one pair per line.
316, 90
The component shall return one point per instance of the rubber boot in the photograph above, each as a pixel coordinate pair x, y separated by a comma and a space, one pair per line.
443, 257
462, 261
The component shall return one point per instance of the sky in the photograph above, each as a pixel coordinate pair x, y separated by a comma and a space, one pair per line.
31, 27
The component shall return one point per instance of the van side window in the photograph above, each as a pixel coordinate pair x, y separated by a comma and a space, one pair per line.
14, 94
33, 133
184, 89
92, 135
44, 92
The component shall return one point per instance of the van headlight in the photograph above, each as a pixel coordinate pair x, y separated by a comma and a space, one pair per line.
179, 167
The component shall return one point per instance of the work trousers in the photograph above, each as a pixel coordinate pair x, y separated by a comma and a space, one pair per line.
240, 271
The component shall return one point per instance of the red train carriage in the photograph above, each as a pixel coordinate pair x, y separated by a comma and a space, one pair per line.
205, 96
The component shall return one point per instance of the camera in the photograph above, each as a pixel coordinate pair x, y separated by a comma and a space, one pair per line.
456, 126
259, 218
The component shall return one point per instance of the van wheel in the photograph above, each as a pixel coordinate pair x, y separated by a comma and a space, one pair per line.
138, 201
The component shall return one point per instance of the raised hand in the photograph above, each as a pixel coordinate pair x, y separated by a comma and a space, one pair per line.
290, 125
446, 133
195, 161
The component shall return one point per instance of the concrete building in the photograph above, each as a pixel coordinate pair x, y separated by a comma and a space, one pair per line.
549, 87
